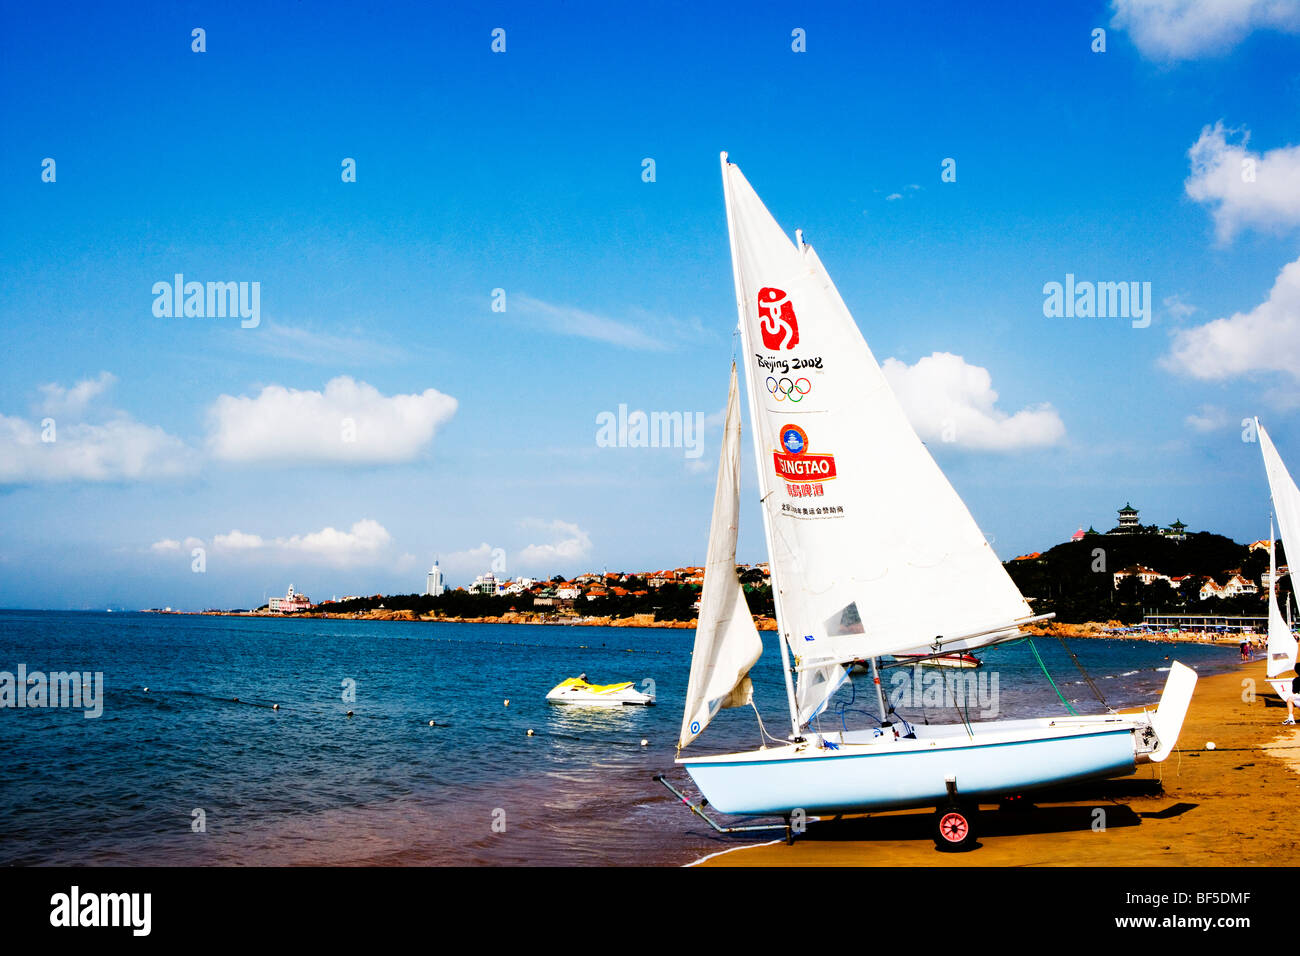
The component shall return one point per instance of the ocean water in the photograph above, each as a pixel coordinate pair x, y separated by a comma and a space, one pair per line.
307, 784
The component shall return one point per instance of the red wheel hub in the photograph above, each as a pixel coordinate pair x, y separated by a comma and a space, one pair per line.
953, 827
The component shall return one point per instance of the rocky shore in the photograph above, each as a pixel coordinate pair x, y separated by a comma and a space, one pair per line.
511, 617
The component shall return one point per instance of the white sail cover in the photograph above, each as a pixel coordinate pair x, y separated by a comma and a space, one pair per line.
726, 641
1286, 505
872, 551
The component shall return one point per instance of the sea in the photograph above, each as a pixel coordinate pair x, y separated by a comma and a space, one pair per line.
191, 762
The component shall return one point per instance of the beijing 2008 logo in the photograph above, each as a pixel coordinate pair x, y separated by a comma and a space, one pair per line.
777, 322
785, 388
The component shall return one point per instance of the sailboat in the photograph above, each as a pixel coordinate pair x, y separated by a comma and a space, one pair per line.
872, 553
1286, 504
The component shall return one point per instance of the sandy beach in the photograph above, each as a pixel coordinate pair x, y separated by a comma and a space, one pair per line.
1231, 806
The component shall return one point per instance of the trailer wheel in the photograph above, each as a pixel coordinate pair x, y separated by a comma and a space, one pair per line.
954, 828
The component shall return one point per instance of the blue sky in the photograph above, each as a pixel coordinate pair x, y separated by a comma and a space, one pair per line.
523, 171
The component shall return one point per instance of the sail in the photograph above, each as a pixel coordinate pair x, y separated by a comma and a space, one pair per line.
1286, 504
1281, 642
872, 551
726, 641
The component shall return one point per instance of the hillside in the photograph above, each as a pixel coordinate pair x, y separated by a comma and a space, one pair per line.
1076, 579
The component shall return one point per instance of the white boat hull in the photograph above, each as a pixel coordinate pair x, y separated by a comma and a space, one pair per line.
593, 701
580, 696
866, 771
906, 773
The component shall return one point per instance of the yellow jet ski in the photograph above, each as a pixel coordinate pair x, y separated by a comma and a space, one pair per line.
576, 690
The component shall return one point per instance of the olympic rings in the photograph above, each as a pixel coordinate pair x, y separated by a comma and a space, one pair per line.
785, 388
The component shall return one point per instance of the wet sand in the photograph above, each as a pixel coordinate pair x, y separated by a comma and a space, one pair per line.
1235, 805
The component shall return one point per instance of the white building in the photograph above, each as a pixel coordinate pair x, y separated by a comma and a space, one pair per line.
434, 584
290, 602
484, 584
1143, 574
1235, 585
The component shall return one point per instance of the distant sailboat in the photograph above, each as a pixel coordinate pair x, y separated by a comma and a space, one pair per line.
872, 553
1286, 504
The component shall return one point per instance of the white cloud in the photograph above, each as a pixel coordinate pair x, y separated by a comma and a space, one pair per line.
568, 320
118, 450
62, 446
471, 561
58, 401
1208, 418
366, 539
1170, 30
366, 542
948, 400
307, 344
237, 540
1244, 188
1267, 338
349, 422
569, 543
1177, 309
172, 546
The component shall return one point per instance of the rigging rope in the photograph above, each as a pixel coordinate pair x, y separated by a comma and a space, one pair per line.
965, 719
764, 729
1086, 677
1030, 641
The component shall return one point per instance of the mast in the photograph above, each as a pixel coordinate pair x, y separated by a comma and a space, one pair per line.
751, 398
880, 694
1274, 590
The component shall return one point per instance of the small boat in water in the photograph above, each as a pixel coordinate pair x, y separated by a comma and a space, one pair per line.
929, 660
576, 690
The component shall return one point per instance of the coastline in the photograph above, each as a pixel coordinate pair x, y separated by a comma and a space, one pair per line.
513, 617
1231, 806
1089, 629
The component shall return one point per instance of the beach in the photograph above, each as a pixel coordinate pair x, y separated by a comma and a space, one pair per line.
1230, 806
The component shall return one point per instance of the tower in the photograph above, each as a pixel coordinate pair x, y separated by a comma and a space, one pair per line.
433, 586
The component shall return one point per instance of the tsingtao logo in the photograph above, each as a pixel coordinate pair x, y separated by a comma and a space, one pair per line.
793, 462
777, 320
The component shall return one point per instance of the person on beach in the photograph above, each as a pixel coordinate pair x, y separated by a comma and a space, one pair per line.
1291, 698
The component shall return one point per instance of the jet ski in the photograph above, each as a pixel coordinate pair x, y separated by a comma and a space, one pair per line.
576, 690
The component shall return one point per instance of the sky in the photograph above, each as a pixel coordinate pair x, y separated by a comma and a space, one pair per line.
465, 256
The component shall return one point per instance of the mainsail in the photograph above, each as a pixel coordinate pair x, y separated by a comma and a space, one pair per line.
872, 551
1286, 504
726, 642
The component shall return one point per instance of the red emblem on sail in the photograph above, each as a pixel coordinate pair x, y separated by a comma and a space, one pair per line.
776, 319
